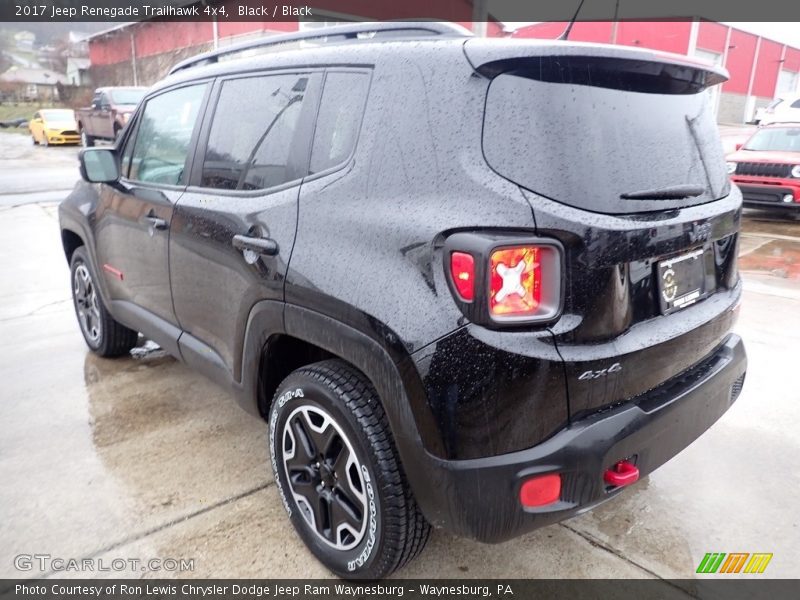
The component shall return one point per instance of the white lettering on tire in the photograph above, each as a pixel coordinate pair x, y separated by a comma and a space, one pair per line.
279, 403
373, 524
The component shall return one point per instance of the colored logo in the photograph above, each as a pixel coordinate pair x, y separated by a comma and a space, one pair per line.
736, 562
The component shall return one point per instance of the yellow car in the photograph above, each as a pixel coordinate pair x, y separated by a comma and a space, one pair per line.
54, 126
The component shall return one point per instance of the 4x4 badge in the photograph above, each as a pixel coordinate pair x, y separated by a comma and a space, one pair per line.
615, 368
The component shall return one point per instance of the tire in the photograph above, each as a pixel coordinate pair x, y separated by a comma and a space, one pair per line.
102, 333
370, 524
87, 141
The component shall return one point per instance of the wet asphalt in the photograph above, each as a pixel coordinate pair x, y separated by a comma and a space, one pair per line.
142, 458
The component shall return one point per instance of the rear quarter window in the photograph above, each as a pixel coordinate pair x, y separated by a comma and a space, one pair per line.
339, 119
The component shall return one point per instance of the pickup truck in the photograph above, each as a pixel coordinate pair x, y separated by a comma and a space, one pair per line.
110, 110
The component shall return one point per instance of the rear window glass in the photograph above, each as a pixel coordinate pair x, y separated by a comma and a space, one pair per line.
339, 119
587, 146
253, 137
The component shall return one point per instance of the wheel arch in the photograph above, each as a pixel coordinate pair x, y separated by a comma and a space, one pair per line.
70, 241
300, 336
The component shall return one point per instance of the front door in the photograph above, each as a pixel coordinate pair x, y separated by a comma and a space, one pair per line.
134, 216
234, 227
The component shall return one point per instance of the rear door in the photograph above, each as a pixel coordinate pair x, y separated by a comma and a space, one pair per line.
134, 216
234, 228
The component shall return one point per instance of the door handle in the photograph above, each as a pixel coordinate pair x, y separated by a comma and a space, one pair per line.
258, 245
156, 222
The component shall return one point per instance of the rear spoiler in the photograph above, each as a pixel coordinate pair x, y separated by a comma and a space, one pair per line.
611, 66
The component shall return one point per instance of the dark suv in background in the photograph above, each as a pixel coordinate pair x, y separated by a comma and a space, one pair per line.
476, 284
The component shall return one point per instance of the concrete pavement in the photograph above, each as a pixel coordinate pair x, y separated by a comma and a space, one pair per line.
31, 173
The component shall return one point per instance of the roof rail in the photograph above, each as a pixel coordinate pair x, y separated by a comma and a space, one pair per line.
336, 33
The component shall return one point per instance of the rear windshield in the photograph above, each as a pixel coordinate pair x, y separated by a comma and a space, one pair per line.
779, 139
594, 147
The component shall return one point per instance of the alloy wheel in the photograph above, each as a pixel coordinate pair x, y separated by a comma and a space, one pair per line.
325, 477
87, 303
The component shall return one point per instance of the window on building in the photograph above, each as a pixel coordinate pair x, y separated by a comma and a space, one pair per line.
787, 82
339, 119
255, 133
162, 141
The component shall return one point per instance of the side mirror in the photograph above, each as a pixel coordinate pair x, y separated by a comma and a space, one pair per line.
739, 146
99, 165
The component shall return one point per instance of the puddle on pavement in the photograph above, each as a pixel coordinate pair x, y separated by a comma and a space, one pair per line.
779, 258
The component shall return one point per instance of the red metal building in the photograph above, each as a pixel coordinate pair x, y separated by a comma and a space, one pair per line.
760, 68
141, 53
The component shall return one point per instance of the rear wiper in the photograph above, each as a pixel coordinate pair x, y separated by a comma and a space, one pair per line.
676, 192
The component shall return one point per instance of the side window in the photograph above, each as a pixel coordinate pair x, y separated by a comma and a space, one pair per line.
339, 119
162, 140
103, 100
254, 133
796, 104
96, 100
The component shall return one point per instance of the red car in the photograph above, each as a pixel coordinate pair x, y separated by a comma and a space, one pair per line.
767, 167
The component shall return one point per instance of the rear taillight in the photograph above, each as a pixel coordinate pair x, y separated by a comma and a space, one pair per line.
462, 269
515, 282
499, 280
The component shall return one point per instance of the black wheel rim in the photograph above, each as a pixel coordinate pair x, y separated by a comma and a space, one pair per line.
86, 303
325, 477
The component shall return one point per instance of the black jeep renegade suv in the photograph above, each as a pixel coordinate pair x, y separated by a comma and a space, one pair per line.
481, 285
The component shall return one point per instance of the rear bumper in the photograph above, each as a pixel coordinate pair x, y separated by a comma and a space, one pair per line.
479, 498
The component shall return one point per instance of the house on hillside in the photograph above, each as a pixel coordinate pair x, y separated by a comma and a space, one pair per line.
31, 85
24, 40
78, 71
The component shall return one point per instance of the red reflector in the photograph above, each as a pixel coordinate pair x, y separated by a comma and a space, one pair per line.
515, 283
462, 267
540, 491
115, 272
621, 474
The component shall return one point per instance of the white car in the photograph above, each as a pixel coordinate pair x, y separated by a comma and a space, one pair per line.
783, 109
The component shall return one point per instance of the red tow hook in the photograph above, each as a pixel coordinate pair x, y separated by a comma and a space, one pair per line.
621, 474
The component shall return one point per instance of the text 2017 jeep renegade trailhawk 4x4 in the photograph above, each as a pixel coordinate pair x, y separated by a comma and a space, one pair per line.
481, 285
